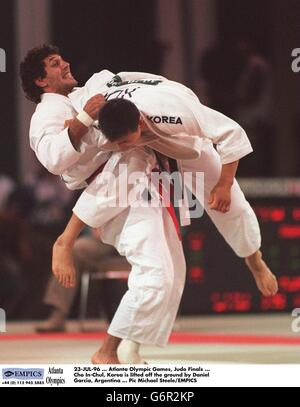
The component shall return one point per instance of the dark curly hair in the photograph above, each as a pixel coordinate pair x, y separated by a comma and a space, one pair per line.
33, 68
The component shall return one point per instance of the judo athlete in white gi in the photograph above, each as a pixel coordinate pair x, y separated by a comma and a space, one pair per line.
227, 135
146, 239
163, 106
171, 120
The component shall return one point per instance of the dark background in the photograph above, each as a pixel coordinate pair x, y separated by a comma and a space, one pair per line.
122, 35
8, 139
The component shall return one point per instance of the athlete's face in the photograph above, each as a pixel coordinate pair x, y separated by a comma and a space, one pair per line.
59, 78
129, 139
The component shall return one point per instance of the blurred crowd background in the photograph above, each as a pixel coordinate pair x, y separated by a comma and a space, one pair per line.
236, 55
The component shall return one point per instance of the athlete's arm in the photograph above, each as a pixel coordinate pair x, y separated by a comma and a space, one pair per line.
76, 129
231, 140
55, 146
220, 196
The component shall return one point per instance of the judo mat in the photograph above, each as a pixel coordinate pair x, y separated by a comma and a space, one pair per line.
254, 339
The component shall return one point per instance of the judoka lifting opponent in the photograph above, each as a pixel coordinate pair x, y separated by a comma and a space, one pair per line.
142, 120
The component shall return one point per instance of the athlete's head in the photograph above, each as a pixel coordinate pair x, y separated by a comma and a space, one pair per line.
120, 121
43, 71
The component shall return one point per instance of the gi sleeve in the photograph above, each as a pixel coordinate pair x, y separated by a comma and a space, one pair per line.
230, 139
50, 141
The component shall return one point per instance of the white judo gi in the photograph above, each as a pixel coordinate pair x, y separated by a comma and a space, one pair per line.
180, 124
147, 239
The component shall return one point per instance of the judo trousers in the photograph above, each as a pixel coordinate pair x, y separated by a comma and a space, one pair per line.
148, 239
239, 226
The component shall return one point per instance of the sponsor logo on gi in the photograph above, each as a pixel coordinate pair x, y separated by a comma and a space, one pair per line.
2, 60
296, 321
2, 320
296, 62
120, 94
23, 374
117, 81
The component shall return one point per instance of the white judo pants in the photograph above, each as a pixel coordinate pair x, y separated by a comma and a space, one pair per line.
148, 239
239, 226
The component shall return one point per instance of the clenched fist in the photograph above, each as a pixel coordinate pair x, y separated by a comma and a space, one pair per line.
93, 106
220, 198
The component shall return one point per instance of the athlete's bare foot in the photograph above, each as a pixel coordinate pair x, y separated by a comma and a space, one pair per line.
100, 358
107, 354
265, 280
